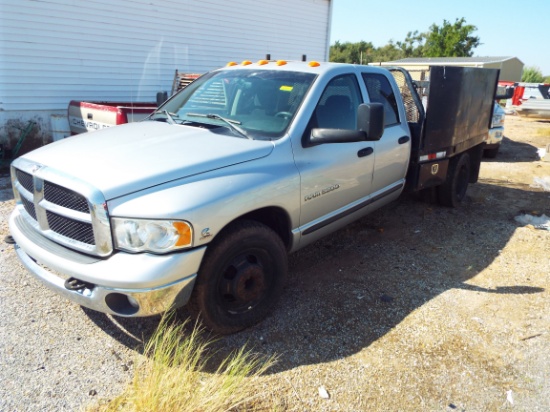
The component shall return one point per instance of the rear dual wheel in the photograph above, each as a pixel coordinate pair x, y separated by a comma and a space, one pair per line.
241, 278
453, 191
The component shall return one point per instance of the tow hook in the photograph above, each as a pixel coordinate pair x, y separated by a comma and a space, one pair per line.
77, 285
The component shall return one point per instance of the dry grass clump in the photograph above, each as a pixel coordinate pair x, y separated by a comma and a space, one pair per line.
543, 132
172, 376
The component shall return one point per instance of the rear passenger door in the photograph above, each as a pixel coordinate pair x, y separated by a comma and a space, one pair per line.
392, 151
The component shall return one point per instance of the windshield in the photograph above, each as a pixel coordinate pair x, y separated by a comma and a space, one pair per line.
257, 104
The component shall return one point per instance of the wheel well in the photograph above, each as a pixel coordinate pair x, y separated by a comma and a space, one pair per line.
276, 219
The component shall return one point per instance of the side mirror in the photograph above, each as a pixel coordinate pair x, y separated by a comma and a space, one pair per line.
370, 119
509, 93
161, 98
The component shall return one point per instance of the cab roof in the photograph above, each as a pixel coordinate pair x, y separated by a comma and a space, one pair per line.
297, 66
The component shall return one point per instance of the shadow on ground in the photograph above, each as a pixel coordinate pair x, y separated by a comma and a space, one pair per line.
511, 151
349, 289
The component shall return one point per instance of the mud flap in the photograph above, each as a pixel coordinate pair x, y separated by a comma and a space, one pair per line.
475, 153
432, 173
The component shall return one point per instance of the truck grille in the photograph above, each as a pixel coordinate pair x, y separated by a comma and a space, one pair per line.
26, 180
64, 197
72, 229
29, 207
72, 216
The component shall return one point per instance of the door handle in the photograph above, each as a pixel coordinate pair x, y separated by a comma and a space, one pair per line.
403, 140
365, 152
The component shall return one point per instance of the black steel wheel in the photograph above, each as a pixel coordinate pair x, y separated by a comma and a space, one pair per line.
453, 191
241, 278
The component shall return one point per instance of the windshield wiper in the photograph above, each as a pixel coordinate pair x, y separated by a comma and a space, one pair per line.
169, 116
233, 124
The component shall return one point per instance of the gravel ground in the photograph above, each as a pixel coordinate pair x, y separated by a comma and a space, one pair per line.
54, 356
415, 307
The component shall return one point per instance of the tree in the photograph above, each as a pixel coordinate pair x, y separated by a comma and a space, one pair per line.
413, 46
338, 52
359, 52
532, 74
387, 53
351, 52
450, 40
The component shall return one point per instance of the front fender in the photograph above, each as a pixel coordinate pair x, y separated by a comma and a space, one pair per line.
212, 200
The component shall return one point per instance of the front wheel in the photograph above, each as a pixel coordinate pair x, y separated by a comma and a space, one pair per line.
241, 278
453, 191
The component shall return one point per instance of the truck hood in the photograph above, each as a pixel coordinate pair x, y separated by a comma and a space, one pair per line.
131, 157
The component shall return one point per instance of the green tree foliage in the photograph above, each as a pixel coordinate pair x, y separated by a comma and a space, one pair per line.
363, 52
387, 53
413, 46
532, 74
449, 40
358, 53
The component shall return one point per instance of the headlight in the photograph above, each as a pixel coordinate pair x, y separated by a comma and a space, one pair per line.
158, 236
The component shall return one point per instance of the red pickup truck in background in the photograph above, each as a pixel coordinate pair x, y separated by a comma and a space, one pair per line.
90, 116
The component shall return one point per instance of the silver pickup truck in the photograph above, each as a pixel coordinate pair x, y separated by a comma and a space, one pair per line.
200, 204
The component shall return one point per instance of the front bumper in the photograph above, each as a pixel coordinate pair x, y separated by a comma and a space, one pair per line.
494, 137
124, 284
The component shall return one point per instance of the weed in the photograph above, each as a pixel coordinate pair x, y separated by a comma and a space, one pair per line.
172, 375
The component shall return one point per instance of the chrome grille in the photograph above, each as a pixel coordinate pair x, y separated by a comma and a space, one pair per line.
83, 232
26, 180
29, 207
64, 197
68, 211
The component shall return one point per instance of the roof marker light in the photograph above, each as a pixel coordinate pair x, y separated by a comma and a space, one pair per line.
231, 64
246, 62
281, 62
314, 64
262, 62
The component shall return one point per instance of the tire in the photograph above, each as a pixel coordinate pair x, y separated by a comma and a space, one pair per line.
453, 191
240, 279
491, 153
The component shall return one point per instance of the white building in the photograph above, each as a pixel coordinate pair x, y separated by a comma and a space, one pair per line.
54, 51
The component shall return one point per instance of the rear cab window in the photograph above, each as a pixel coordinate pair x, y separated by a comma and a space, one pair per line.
380, 91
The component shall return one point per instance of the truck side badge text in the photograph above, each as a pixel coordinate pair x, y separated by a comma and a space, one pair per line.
321, 192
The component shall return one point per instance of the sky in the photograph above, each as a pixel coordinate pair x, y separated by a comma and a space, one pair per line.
505, 27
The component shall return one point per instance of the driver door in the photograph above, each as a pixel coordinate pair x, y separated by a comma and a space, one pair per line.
335, 178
